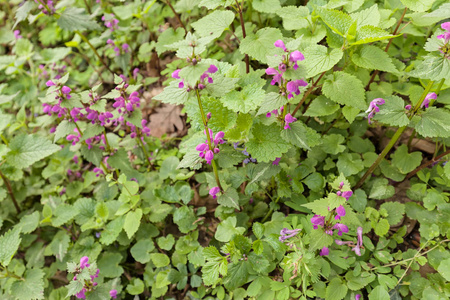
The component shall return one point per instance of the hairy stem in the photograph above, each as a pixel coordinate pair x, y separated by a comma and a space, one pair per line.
10, 192
309, 91
241, 18
177, 16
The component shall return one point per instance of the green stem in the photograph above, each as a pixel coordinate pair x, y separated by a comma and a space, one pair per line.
270, 211
143, 149
393, 140
4, 140
93, 49
108, 147
209, 138
244, 34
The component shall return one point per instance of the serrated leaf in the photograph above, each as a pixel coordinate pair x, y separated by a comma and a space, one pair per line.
404, 161
271, 102
28, 149
230, 198
301, 135
227, 229
319, 239
395, 212
381, 189
168, 37
245, 100
63, 129
173, 94
382, 227
93, 155
214, 24
74, 18
318, 59
344, 88
266, 6
369, 16
434, 67
192, 73
30, 288
379, 293
392, 112
212, 4
373, 58
336, 20
132, 222
321, 106
261, 44
294, 17
444, 269
336, 290
434, 122
369, 34
266, 143
9, 243
418, 5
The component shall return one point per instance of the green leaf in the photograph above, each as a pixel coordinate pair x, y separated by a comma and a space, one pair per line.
369, 34
433, 199
51, 55
63, 129
227, 230
109, 264
172, 94
404, 161
271, 102
93, 155
395, 212
261, 44
369, 16
349, 164
135, 287
245, 100
294, 17
434, 67
168, 37
321, 106
331, 143
345, 89
31, 288
434, 122
229, 199
132, 222
266, 143
382, 227
336, 290
379, 293
392, 112
28, 149
336, 20
444, 269
301, 135
192, 73
74, 18
418, 5
266, 6
356, 283
350, 113
184, 217
160, 260
381, 189
319, 239
9, 243
373, 58
212, 4
166, 242
213, 24
29, 222
63, 214
318, 59
112, 231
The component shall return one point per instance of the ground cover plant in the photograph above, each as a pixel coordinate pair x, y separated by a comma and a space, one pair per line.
220, 149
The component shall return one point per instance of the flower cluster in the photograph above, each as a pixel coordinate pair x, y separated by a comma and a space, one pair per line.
430, 96
373, 108
208, 150
118, 49
62, 93
213, 192
287, 234
204, 79
446, 35
46, 6
287, 120
111, 22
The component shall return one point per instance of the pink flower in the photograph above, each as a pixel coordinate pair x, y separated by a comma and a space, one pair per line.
176, 74
426, 101
359, 243
288, 119
276, 161
17, 34
81, 294
286, 234
318, 221
295, 57
342, 228
293, 87
373, 108
446, 35
209, 156
212, 69
280, 44
358, 296
213, 192
113, 294
340, 212
84, 262
276, 76
347, 194
50, 83
66, 90
408, 107
325, 251
218, 138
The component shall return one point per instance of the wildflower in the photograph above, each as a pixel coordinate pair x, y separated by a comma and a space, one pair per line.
84, 262
98, 172
213, 192
126, 48
294, 57
325, 251
50, 83
408, 107
276, 161
358, 296
342, 228
113, 294
17, 34
66, 90
373, 108
426, 101
280, 44
346, 194
74, 138
286, 234
288, 119
208, 116
340, 243
209, 156
81, 294
359, 243
276, 76
293, 87
446, 35
341, 185
53, 130
135, 73
340, 212
317, 221
202, 148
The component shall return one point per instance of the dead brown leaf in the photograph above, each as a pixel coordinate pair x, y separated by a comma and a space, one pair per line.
166, 119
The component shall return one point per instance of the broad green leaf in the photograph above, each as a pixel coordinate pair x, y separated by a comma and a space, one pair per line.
51, 55
404, 161
444, 269
135, 287
294, 17
74, 18
112, 231
350, 113
336, 290
434, 122
356, 283
168, 37
214, 24
30, 288
337, 20
63, 129
173, 94
369, 34
344, 88
132, 222
221, 85
331, 143
93, 155
321, 106
184, 217
319, 239
245, 100
382, 227
434, 67
271, 102
9, 243
160, 260
318, 59
29, 222
301, 135
109, 264
266, 143
373, 58
212, 4
395, 211
192, 73
349, 164
392, 112
369, 16
379, 293
227, 230
418, 5
261, 44
381, 189
241, 129
230, 198
28, 149
266, 6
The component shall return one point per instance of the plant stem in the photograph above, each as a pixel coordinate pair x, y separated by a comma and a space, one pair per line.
177, 16
88, 8
428, 163
393, 140
375, 73
270, 211
4, 140
309, 91
144, 150
241, 18
93, 49
10, 192
209, 138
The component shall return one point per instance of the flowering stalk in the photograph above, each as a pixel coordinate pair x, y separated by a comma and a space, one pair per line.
395, 138
209, 138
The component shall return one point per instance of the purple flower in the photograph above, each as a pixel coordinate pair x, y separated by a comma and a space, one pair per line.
358, 296
318, 221
66, 90
209, 156
208, 116
359, 243
295, 57
176, 74
408, 107
113, 294
293, 87
340, 243
286, 234
340, 212
346, 194
212, 69
288, 119
276, 76
342, 228
325, 251
50, 83
213, 192
446, 35
280, 44
81, 294
341, 185
17, 34
276, 161
373, 108
426, 101
218, 138
84, 262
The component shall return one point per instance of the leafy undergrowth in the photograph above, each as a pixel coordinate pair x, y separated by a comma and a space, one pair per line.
211, 149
